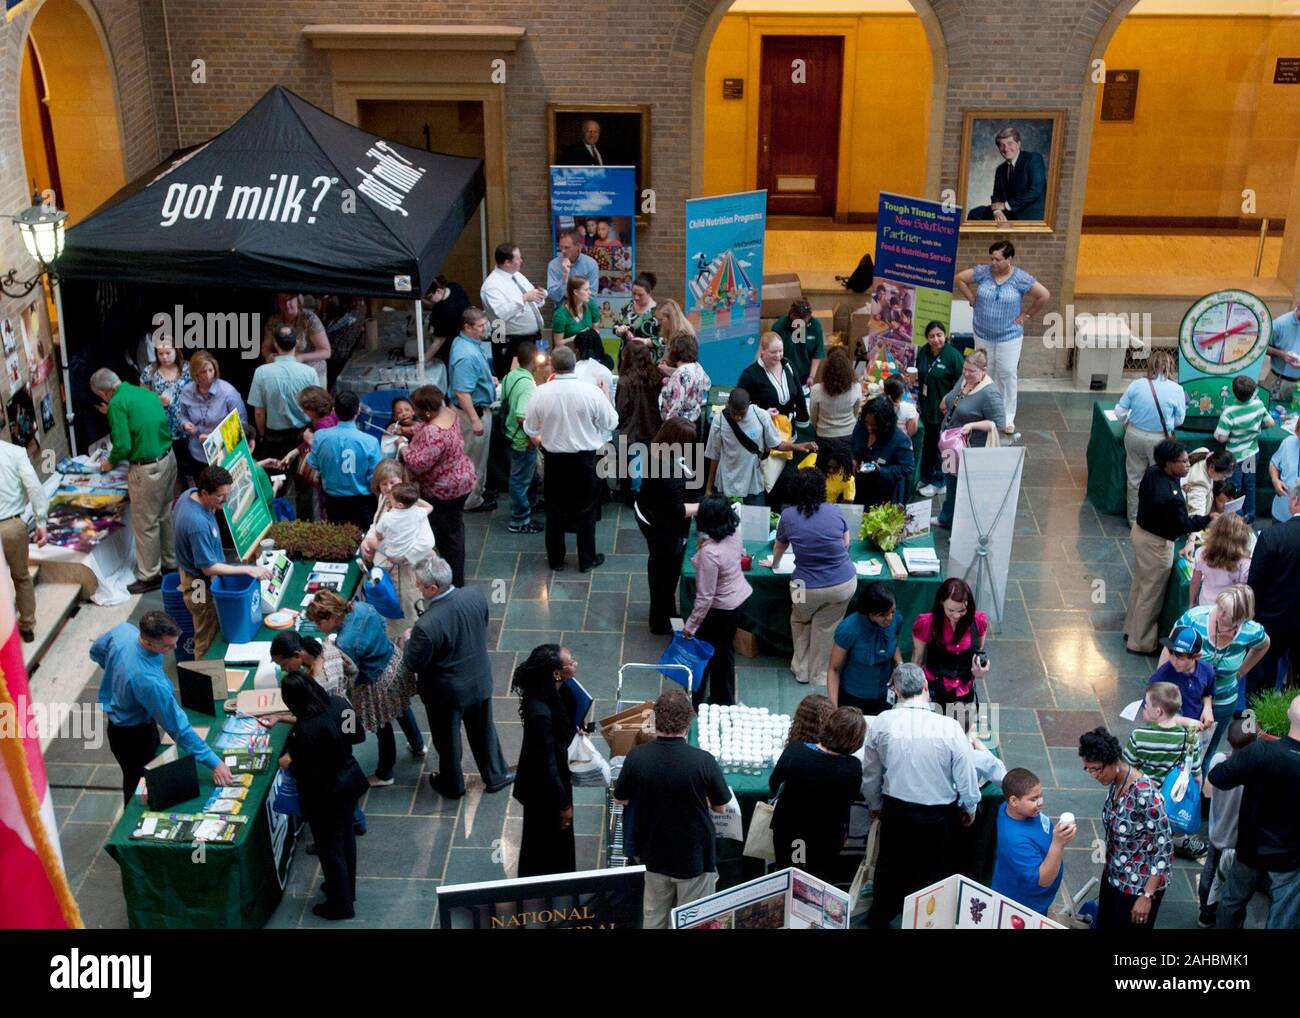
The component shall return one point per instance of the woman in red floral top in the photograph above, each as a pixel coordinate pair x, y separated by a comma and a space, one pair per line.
1139, 843
438, 464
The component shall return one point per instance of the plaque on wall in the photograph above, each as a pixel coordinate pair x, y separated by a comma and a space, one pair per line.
733, 88
1287, 71
1119, 96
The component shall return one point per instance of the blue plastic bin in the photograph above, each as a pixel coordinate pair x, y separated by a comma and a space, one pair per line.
239, 607
174, 606
377, 410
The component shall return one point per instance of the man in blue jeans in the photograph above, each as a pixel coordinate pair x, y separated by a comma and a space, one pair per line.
516, 390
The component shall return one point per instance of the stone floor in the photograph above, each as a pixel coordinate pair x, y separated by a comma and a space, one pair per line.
1059, 669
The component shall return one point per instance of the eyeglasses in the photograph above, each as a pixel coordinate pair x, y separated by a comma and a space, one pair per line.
1094, 769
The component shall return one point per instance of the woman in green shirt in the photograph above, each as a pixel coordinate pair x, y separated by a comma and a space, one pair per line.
938, 368
578, 312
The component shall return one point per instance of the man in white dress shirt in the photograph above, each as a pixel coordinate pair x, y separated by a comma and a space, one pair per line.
514, 307
918, 776
19, 488
570, 420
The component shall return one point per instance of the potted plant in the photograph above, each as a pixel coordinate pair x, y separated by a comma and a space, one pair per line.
883, 526
320, 542
1268, 709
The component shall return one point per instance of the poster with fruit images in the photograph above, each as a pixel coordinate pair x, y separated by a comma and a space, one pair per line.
958, 902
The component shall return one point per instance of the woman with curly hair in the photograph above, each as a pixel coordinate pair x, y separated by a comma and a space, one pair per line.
824, 579
383, 688
1224, 559
1139, 842
883, 455
721, 591
809, 717
836, 396
542, 782
686, 389
438, 464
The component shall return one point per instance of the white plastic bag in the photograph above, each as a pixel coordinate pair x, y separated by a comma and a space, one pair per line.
728, 824
587, 768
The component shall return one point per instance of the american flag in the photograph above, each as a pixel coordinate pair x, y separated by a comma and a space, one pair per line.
34, 892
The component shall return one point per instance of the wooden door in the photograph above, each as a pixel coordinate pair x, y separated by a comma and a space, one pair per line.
799, 123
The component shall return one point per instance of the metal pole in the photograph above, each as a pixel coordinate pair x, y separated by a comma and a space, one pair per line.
419, 336
482, 237
1263, 236
63, 358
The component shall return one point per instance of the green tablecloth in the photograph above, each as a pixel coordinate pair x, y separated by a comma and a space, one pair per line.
1107, 485
234, 886
767, 613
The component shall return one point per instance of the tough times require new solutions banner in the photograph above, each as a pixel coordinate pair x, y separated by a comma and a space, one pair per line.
916, 266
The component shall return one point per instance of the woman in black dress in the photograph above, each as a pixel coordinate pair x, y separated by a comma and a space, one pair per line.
542, 782
816, 782
771, 383
664, 515
319, 756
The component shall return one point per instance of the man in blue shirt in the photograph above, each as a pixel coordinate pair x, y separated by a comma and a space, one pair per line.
274, 397
346, 458
199, 553
1284, 355
569, 262
1030, 850
474, 391
137, 697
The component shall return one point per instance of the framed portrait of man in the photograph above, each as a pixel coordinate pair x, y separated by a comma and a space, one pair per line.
1010, 170
600, 134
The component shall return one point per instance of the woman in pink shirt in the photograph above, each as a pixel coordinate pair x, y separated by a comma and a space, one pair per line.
1224, 559
721, 591
438, 464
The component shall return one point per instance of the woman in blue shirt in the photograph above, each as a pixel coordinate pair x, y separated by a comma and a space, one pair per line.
999, 289
866, 652
383, 688
883, 455
1284, 471
1151, 408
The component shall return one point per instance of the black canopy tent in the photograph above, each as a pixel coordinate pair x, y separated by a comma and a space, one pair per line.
289, 198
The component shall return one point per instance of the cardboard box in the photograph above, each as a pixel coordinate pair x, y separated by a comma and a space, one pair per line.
844, 311
629, 728
859, 324
779, 291
746, 643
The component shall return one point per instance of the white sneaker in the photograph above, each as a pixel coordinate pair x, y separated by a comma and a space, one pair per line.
928, 490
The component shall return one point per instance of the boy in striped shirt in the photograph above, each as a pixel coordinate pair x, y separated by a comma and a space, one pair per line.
1238, 427
1160, 745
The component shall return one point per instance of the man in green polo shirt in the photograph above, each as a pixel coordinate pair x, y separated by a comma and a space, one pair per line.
141, 434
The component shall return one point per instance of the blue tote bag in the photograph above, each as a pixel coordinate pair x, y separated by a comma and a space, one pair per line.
695, 654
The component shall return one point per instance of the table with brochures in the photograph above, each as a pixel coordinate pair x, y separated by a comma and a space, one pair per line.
231, 884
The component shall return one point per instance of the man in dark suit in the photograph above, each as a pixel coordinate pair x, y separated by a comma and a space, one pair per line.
587, 152
447, 652
1274, 577
1019, 183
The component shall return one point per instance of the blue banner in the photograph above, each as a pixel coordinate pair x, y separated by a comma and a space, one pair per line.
724, 279
916, 267
600, 203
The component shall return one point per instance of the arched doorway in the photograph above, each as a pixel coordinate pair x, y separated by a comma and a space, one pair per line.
765, 74
68, 109
1191, 147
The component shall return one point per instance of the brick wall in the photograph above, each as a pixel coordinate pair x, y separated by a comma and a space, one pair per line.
1002, 54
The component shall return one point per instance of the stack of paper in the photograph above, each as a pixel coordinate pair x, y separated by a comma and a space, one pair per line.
871, 567
921, 561
249, 653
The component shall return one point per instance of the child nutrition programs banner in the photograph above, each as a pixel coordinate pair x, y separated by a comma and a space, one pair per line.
248, 514
600, 203
916, 266
724, 278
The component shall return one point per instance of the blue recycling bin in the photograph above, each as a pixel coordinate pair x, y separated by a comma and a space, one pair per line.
176, 609
239, 607
377, 410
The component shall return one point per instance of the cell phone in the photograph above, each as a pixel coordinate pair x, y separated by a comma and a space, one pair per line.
982, 658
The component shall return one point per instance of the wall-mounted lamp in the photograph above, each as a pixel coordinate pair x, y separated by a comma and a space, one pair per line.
42, 229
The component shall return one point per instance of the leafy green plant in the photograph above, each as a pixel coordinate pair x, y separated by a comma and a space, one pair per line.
323, 542
1269, 710
883, 526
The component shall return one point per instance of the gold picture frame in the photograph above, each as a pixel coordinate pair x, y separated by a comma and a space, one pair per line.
980, 168
625, 129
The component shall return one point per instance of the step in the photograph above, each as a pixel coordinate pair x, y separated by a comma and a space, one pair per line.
55, 602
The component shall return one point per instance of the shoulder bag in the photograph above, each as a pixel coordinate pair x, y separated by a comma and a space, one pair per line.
1164, 427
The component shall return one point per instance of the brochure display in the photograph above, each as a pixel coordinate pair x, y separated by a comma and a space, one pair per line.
786, 900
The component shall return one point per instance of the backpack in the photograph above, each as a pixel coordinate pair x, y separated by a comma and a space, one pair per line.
859, 280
